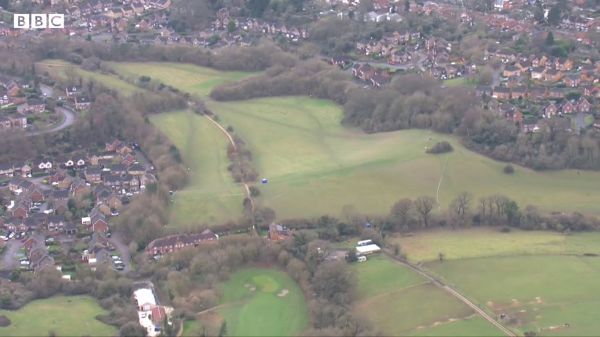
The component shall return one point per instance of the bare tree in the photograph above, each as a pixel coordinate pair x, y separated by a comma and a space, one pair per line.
424, 205
459, 209
401, 213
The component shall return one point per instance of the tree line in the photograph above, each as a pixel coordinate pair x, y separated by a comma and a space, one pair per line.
417, 101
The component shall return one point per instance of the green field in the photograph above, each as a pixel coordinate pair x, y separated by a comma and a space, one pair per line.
211, 194
538, 293
186, 77
400, 302
64, 70
482, 242
65, 316
315, 166
263, 302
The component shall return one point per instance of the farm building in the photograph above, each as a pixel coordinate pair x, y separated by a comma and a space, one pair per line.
367, 249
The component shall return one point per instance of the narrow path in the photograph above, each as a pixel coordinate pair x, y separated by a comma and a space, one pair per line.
437, 193
244, 184
454, 293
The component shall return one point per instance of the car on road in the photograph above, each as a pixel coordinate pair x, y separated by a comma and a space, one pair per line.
11, 235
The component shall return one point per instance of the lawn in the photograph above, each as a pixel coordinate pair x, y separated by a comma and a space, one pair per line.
316, 166
66, 316
263, 302
459, 81
64, 70
212, 195
399, 302
186, 77
482, 242
538, 293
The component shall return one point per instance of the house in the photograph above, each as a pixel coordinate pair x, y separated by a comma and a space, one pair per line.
583, 105
571, 81
43, 165
6, 170
519, 92
538, 73
55, 223
363, 71
553, 75
568, 108
511, 71
177, 242
501, 93
378, 80
82, 103
98, 221
93, 175
34, 105
136, 170
341, 61
145, 299
278, 232
550, 110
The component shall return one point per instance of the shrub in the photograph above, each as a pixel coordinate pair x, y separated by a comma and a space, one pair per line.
509, 169
4, 321
440, 147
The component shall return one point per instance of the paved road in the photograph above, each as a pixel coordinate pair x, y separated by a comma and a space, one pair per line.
68, 120
454, 293
123, 250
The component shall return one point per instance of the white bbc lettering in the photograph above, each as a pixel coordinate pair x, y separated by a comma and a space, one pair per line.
21, 21
56, 21
38, 21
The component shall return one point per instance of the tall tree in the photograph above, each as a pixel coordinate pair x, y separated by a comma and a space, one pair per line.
554, 15
549, 39
424, 205
257, 7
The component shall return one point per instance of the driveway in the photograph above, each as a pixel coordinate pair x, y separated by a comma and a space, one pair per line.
123, 250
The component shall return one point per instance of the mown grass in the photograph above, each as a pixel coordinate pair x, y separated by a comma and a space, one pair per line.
482, 242
399, 302
252, 307
63, 315
315, 166
539, 293
63, 70
186, 77
211, 196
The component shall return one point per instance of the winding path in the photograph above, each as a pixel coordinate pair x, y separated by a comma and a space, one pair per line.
454, 293
244, 184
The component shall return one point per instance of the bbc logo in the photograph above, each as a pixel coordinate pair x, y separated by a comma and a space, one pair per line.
38, 21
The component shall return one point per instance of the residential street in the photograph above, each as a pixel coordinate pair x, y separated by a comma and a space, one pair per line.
68, 120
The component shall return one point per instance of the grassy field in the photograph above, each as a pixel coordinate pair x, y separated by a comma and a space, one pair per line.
315, 166
400, 302
186, 77
66, 316
263, 302
548, 294
482, 242
63, 70
212, 194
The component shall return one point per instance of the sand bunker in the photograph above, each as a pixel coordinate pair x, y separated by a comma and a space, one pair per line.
283, 292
